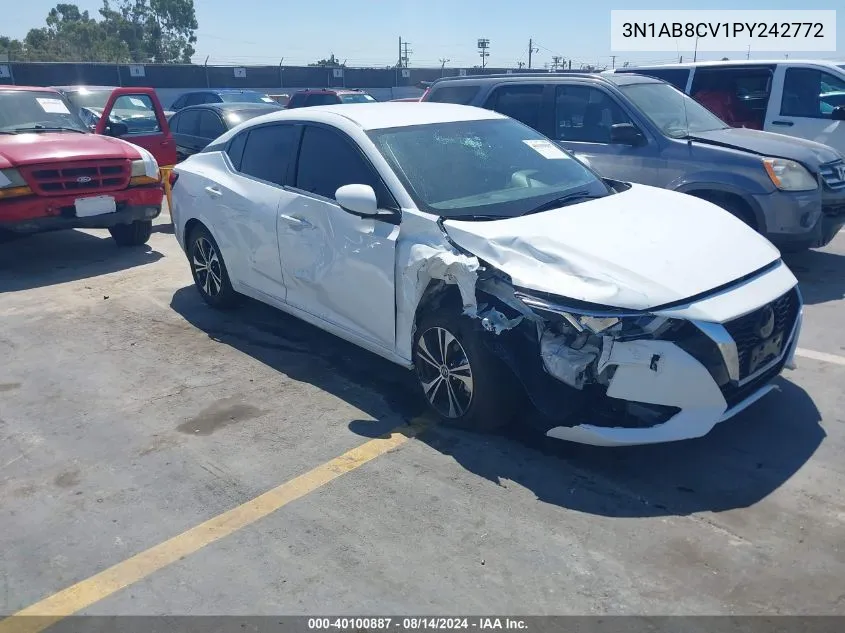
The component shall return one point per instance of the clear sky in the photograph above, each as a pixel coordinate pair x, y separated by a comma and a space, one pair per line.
367, 32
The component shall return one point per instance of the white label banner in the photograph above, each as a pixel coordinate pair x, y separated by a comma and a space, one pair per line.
723, 31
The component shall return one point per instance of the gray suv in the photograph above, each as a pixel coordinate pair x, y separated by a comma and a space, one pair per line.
640, 129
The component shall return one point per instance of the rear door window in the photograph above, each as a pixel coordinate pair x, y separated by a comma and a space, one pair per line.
520, 102
812, 93
268, 152
189, 122
210, 125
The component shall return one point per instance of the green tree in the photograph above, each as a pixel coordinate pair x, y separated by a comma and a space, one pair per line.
158, 31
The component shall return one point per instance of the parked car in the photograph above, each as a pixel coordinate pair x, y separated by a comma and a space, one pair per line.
641, 129
55, 174
408, 99
137, 112
195, 127
467, 245
229, 95
328, 96
801, 98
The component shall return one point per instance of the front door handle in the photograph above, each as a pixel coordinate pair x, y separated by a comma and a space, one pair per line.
214, 192
296, 223
788, 123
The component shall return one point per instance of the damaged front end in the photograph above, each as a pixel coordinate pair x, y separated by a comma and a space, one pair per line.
611, 376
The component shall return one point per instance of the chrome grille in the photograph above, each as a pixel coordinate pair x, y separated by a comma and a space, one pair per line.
833, 175
744, 329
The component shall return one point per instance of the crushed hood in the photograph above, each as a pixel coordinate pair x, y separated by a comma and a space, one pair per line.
804, 151
638, 249
29, 149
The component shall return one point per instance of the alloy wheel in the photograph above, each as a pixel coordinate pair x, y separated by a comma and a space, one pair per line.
444, 372
207, 268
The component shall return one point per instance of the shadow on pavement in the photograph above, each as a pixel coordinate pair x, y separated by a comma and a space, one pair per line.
820, 273
739, 463
45, 259
305, 353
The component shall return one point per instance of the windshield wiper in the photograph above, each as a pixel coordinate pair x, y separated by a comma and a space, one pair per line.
563, 201
45, 128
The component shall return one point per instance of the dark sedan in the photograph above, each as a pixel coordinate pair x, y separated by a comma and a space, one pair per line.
195, 127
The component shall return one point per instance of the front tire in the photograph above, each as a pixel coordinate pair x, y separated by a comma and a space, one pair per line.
463, 382
134, 234
209, 270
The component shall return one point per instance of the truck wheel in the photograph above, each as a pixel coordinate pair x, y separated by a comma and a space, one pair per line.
463, 382
134, 234
209, 270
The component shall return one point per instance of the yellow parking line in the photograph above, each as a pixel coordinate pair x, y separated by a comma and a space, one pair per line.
68, 601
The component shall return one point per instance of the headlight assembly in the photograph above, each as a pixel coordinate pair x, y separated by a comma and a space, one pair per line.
618, 324
787, 175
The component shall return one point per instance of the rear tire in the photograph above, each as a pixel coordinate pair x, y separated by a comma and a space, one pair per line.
209, 270
462, 381
134, 234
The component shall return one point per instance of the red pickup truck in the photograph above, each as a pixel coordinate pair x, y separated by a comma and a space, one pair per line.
55, 173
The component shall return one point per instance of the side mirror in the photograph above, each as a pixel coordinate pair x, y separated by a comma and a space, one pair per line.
626, 134
838, 113
117, 129
357, 200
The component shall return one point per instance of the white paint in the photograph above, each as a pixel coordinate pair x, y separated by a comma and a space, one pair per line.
362, 279
821, 356
637, 249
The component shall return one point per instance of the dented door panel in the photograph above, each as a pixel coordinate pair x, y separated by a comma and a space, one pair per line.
339, 267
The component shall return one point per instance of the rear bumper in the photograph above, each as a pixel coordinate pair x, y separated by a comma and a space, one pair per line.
34, 214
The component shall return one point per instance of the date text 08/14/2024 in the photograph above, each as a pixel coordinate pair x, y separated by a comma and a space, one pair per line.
415, 623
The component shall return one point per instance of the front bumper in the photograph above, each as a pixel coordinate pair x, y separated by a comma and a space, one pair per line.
705, 383
798, 221
36, 214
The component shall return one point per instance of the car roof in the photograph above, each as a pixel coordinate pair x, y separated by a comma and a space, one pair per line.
736, 62
218, 91
617, 79
28, 88
385, 114
83, 87
233, 106
332, 91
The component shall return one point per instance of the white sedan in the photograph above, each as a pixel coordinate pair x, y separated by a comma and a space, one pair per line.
463, 244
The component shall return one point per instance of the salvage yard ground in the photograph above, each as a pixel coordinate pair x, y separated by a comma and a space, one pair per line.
131, 413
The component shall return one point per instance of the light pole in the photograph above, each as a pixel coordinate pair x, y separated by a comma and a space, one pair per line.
483, 50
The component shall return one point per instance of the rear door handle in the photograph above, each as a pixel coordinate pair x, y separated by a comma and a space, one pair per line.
214, 192
783, 123
296, 223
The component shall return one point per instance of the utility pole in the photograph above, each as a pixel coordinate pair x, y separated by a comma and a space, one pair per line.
483, 50
613, 61
556, 62
748, 54
531, 50
520, 65
404, 53
399, 63
443, 63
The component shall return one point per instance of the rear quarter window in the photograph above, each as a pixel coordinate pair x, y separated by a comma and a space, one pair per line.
462, 95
